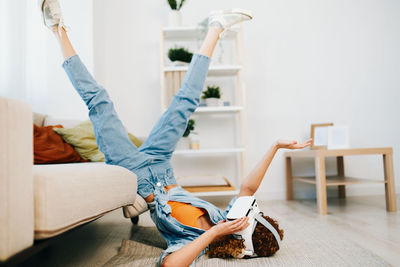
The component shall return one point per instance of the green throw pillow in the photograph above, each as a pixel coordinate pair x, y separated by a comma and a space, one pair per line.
82, 138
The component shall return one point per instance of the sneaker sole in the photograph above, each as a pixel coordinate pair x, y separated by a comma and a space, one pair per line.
240, 11
41, 5
243, 12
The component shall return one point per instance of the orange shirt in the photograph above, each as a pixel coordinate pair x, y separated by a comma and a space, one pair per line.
185, 213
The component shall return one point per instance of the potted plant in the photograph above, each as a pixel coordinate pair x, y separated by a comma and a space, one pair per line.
189, 128
185, 142
212, 96
175, 16
180, 55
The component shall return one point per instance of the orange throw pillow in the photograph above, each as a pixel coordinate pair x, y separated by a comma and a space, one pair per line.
49, 147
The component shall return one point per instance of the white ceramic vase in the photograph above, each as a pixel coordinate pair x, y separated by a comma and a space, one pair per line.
174, 18
212, 102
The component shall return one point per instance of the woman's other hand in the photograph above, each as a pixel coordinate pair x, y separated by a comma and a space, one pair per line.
289, 144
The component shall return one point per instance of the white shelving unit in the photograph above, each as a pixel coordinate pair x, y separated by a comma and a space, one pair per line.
209, 151
227, 109
216, 193
216, 110
191, 32
233, 155
226, 70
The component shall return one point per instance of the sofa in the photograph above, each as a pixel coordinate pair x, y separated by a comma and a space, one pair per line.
43, 201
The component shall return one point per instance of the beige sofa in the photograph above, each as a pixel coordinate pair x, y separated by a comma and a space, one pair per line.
42, 201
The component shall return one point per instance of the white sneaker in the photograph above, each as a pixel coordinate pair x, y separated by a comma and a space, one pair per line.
227, 18
51, 13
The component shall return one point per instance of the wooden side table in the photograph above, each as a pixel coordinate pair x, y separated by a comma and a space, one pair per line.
321, 181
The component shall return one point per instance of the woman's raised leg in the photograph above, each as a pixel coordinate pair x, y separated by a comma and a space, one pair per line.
170, 127
111, 136
65, 44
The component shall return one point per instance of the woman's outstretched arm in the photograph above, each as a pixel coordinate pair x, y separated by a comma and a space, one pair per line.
254, 179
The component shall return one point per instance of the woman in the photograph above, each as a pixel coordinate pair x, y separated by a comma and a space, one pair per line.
187, 223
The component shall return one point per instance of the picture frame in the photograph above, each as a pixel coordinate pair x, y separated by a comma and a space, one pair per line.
320, 135
338, 137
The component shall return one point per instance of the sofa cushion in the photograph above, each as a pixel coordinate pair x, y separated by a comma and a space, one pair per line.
82, 138
49, 147
67, 123
67, 195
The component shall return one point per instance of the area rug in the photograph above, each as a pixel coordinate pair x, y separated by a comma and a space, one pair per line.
308, 243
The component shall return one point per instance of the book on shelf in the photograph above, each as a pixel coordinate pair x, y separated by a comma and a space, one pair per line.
205, 183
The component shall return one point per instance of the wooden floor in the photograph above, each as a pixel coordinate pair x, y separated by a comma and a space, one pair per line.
364, 220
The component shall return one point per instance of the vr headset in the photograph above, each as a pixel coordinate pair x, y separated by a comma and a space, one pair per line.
247, 206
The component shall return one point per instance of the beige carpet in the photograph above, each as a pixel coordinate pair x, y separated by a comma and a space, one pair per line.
308, 243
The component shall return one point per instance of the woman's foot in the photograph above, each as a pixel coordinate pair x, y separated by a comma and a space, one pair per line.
227, 18
51, 12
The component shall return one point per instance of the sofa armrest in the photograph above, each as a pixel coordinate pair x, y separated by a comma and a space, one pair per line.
16, 177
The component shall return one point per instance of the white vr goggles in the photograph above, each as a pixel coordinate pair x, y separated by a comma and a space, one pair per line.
247, 206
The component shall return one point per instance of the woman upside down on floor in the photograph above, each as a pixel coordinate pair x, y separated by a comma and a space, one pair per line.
191, 226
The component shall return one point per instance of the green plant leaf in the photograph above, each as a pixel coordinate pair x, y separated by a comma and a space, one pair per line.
180, 54
181, 4
189, 127
173, 4
212, 92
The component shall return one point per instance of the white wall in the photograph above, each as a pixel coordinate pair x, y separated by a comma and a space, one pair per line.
60, 98
31, 59
127, 58
12, 49
307, 62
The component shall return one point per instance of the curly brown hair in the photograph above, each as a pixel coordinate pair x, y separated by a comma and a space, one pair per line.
264, 242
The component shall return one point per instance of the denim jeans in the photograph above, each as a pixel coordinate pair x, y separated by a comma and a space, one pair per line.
112, 138
150, 162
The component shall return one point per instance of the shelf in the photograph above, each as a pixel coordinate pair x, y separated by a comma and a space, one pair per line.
220, 70
222, 109
208, 151
216, 193
190, 32
337, 180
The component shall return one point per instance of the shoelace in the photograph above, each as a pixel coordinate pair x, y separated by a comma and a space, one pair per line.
226, 30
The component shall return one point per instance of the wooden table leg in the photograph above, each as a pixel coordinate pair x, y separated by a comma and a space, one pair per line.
389, 185
289, 180
321, 184
340, 172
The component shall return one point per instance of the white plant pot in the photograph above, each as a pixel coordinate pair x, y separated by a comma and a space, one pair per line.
175, 18
212, 102
183, 143
178, 63
194, 142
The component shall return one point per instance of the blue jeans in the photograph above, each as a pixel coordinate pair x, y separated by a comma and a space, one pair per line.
151, 162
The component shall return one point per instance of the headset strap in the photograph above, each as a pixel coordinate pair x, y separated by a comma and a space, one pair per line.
269, 226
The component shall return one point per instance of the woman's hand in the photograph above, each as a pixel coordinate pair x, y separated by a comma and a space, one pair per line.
188, 253
292, 144
230, 227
